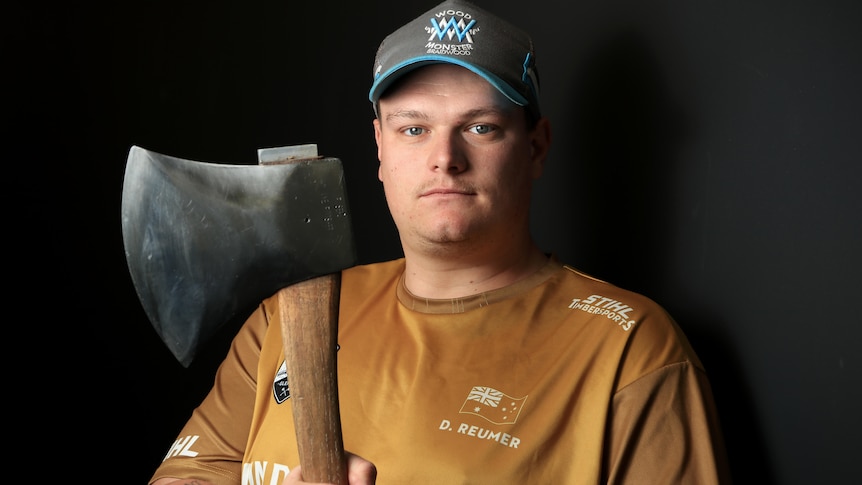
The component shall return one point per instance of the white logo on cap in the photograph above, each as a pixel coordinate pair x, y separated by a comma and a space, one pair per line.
452, 27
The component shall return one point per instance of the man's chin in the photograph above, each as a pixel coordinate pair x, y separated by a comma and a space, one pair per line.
445, 243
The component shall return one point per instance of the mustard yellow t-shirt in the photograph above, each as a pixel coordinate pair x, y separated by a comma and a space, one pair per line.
557, 379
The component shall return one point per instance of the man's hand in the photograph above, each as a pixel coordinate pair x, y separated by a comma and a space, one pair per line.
359, 472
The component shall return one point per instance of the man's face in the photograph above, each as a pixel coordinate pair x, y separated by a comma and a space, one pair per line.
457, 161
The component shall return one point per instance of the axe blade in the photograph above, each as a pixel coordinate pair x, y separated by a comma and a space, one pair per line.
206, 242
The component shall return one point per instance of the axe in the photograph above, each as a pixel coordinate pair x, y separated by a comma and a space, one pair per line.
207, 242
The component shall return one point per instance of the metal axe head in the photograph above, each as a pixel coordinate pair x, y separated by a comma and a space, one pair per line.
206, 242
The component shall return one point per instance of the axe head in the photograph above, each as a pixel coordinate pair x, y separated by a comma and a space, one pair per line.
206, 242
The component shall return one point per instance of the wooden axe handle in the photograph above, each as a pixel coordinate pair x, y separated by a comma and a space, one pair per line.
309, 327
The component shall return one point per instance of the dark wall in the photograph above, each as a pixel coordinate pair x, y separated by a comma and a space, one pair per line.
706, 154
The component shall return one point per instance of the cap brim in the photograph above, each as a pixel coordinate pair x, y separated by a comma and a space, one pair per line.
386, 79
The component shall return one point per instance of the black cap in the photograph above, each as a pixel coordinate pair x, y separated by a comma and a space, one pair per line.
458, 32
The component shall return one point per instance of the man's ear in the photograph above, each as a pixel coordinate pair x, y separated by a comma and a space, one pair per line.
376, 124
540, 145
377, 134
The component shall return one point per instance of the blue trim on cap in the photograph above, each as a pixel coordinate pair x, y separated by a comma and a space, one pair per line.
384, 80
528, 77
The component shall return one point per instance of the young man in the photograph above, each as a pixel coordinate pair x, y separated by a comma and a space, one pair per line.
477, 358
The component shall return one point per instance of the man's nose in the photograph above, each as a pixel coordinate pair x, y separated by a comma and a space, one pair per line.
447, 154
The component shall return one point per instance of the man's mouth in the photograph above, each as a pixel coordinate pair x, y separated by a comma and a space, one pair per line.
443, 191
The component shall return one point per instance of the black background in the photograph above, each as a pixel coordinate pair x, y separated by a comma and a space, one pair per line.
706, 154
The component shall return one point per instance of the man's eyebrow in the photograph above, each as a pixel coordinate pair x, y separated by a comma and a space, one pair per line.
487, 111
406, 114
470, 114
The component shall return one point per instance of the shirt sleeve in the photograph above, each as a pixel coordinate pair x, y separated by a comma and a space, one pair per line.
664, 429
212, 443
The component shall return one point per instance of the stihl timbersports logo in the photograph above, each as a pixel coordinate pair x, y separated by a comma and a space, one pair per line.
616, 311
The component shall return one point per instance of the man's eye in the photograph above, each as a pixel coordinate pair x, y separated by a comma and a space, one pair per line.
481, 129
413, 131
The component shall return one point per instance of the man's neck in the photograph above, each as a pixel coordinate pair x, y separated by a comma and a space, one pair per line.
441, 276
